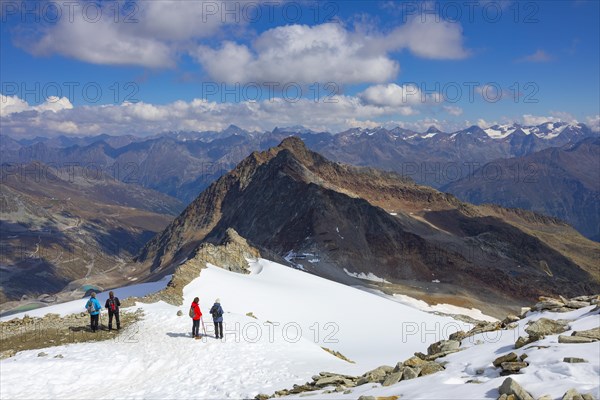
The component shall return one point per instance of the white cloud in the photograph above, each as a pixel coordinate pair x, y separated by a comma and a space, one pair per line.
537, 56
453, 110
394, 95
428, 38
529, 119
593, 122
11, 104
299, 53
153, 34
329, 53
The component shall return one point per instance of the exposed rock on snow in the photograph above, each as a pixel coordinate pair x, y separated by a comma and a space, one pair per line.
512, 387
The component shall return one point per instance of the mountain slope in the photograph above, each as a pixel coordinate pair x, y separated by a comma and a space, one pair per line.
59, 227
563, 182
337, 221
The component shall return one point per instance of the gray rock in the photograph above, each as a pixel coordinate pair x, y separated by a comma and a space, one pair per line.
548, 305
505, 358
574, 339
510, 319
443, 346
414, 362
398, 366
367, 398
392, 378
179, 313
410, 373
347, 391
510, 386
546, 326
523, 356
523, 340
376, 375
42, 354
572, 394
577, 304
333, 380
513, 367
574, 360
590, 333
58, 356
431, 368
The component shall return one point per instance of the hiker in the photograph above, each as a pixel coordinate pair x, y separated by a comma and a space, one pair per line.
217, 314
93, 308
112, 305
195, 313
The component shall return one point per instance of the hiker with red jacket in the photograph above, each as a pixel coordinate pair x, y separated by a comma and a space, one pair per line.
195, 313
112, 305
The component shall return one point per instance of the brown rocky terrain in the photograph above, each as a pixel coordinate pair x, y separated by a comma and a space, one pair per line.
63, 230
336, 220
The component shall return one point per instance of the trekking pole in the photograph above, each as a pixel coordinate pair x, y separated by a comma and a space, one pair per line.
203, 327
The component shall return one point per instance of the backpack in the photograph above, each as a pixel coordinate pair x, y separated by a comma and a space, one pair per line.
91, 307
218, 312
112, 305
192, 312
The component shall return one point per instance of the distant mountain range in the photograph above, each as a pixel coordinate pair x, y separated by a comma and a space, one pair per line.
559, 181
344, 222
183, 164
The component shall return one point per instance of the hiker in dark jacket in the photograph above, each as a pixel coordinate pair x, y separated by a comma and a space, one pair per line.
93, 307
197, 314
112, 305
217, 313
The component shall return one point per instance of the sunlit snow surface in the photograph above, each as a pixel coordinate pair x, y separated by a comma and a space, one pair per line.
297, 313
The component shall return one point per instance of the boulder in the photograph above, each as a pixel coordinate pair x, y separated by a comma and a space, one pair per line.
443, 346
513, 367
414, 362
431, 368
548, 304
590, 333
587, 396
392, 378
577, 304
398, 366
179, 313
410, 373
333, 380
546, 397
510, 386
572, 394
42, 354
574, 339
376, 375
546, 326
523, 340
510, 357
510, 319
574, 360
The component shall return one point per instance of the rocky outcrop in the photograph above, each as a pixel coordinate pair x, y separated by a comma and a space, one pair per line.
231, 254
511, 387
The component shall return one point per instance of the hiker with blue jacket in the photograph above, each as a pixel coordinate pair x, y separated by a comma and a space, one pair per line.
93, 308
217, 314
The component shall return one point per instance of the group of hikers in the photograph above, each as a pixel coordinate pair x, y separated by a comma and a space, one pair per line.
113, 304
93, 308
217, 315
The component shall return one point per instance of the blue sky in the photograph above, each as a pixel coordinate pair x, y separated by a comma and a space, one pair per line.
144, 67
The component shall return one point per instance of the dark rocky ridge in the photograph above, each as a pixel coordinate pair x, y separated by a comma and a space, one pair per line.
289, 198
